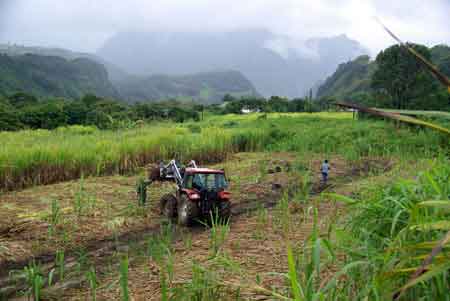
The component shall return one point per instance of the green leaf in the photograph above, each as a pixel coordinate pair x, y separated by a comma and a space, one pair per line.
343, 271
435, 271
439, 225
394, 221
316, 256
435, 204
295, 285
329, 248
423, 245
433, 183
50, 277
341, 198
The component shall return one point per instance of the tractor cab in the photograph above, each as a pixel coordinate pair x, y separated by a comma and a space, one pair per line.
206, 188
200, 179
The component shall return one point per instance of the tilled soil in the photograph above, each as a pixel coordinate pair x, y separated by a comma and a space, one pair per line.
251, 186
257, 248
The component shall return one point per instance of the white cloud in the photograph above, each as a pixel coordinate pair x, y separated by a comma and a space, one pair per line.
85, 24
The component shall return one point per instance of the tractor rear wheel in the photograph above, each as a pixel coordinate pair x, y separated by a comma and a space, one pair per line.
187, 211
224, 211
168, 205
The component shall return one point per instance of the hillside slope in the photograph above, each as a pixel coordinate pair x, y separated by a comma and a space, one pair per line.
47, 76
353, 77
114, 72
204, 87
349, 79
70, 76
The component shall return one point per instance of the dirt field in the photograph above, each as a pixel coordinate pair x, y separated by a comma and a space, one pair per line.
98, 219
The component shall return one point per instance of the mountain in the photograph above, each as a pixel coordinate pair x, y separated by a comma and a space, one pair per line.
273, 63
349, 79
353, 78
208, 87
63, 73
47, 76
114, 72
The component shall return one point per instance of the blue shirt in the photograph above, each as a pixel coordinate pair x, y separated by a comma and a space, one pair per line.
325, 168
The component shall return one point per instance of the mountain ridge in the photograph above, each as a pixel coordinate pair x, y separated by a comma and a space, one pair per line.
62, 73
257, 54
53, 76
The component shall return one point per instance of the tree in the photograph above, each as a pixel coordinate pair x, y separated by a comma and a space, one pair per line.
228, 98
22, 99
278, 104
76, 112
99, 119
199, 108
9, 119
297, 105
48, 115
401, 77
233, 107
90, 100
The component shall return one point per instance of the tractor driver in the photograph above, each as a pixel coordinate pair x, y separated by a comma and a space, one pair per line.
197, 182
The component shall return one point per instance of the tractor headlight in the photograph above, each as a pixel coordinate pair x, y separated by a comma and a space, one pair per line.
194, 196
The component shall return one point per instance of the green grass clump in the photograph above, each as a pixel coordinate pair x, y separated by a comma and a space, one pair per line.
394, 229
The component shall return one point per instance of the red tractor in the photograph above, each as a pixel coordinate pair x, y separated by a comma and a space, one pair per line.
200, 192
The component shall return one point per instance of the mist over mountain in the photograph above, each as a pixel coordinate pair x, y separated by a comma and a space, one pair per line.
273, 63
56, 72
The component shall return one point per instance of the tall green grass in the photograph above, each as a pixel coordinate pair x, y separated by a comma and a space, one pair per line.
43, 157
395, 228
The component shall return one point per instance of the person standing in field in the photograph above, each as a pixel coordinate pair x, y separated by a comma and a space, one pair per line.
325, 169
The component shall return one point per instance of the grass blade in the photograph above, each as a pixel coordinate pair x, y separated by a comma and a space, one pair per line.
295, 285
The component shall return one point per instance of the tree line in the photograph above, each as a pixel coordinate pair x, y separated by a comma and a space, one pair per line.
273, 104
25, 111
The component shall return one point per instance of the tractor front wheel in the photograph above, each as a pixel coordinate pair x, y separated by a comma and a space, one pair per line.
168, 205
187, 211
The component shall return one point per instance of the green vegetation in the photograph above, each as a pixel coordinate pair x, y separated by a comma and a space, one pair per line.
368, 253
71, 75
350, 80
394, 80
273, 104
125, 295
91, 277
361, 239
41, 157
50, 76
393, 229
206, 88
402, 81
24, 111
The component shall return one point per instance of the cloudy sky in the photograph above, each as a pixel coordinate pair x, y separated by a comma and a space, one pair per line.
84, 25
